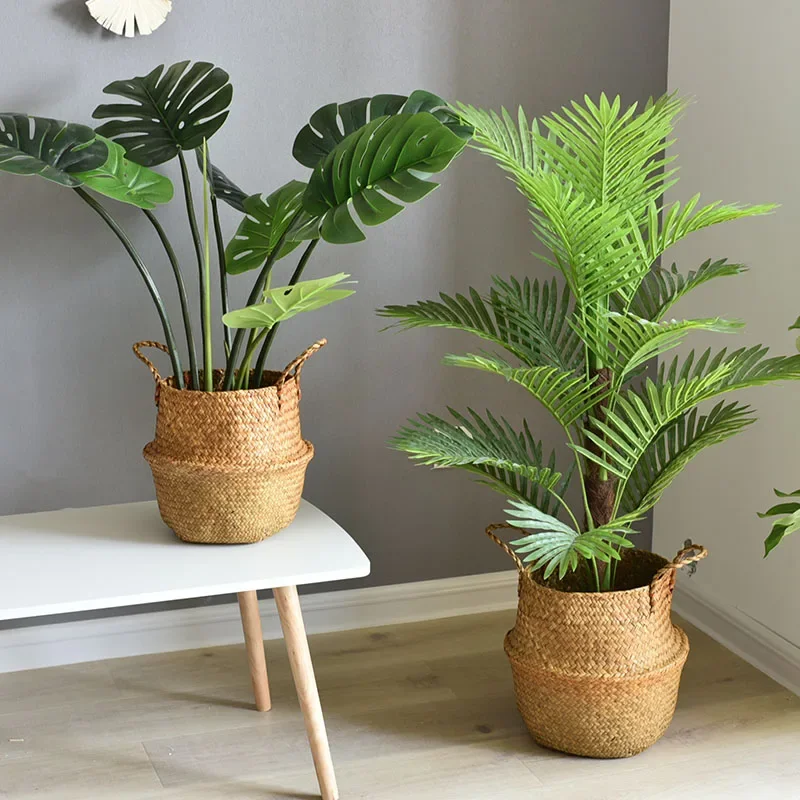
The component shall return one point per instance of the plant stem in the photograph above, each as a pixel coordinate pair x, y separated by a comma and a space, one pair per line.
255, 294
262, 356
596, 574
244, 369
198, 249
223, 275
144, 272
187, 317
208, 352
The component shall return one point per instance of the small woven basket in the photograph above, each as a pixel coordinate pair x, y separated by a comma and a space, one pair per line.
229, 467
597, 673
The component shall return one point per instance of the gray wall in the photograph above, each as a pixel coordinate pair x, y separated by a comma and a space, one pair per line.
78, 407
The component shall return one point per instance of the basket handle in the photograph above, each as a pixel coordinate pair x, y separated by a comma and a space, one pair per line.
137, 351
490, 532
687, 555
292, 369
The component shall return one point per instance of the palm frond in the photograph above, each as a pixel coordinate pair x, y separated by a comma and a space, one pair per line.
641, 415
788, 520
662, 288
681, 220
527, 320
554, 545
566, 396
508, 141
625, 342
675, 447
612, 157
510, 461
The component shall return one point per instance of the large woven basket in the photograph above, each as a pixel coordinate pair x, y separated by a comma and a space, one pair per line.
596, 674
229, 467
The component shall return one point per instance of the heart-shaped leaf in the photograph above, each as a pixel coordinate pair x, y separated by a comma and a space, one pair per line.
171, 110
266, 221
127, 182
221, 185
49, 148
385, 157
286, 301
331, 123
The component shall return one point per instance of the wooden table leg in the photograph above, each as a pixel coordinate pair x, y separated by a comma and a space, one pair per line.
294, 633
254, 640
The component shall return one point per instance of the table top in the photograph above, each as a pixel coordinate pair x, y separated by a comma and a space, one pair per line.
77, 559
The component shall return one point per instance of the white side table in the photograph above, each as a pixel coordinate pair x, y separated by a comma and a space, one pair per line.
57, 562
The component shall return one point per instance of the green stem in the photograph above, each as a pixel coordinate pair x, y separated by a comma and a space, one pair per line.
223, 274
198, 249
255, 296
253, 343
596, 573
205, 295
146, 277
296, 275
187, 317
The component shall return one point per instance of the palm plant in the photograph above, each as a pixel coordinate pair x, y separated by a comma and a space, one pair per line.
594, 176
364, 155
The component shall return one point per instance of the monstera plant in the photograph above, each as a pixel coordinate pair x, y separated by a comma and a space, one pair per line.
579, 344
367, 158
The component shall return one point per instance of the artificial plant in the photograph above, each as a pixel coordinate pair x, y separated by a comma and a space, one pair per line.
364, 157
594, 176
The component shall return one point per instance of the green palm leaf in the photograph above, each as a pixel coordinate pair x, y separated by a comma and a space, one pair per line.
557, 546
330, 124
681, 220
127, 182
675, 447
383, 158
566, 396
285, 302
171, 110
662, 288
625, 342
529, 320
50, 148
266, 221
612, 157
508, 461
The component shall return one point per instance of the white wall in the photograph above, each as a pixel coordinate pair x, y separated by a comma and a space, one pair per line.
738, 142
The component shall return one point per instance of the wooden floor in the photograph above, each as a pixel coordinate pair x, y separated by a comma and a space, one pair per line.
422, 711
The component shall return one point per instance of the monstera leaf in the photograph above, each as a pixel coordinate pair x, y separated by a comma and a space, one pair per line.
286, 301
171, 110
127, 182
267, 220
221, 185
387, 156
331, 123
50, 148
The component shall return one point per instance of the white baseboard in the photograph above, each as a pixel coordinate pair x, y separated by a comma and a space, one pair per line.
741, 634
207, 626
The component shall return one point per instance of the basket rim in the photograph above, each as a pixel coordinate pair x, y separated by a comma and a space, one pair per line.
526, 575
165, 385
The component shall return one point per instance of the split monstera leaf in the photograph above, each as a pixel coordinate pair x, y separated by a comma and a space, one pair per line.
369, 158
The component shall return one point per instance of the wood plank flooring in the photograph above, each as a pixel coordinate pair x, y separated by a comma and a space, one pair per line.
423, 711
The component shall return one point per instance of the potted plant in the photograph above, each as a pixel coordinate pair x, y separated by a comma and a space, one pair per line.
595, 658
228, 458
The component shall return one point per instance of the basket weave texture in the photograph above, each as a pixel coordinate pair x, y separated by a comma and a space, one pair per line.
229, 467
597, 674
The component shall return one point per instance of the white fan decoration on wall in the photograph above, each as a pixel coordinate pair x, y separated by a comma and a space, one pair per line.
124, 16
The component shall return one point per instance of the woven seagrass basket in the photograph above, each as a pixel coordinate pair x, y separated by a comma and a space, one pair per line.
597, 673
229, 467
